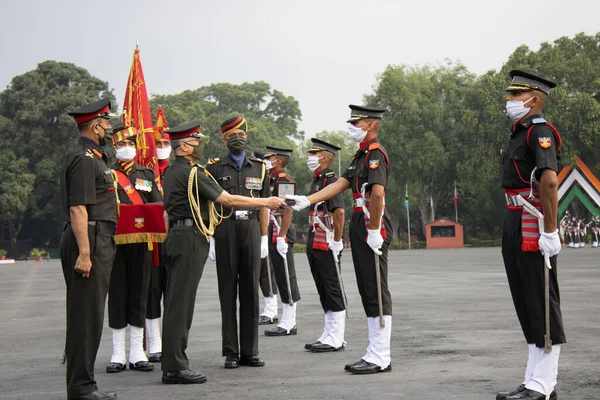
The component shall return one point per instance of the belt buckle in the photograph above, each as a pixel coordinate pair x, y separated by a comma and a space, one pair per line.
242, 215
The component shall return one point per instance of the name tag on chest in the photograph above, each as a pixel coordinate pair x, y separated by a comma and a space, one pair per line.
253, 183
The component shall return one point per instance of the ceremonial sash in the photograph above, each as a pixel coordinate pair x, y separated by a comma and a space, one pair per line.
273, 221
357, 196
128, 188
530, 227
320, 239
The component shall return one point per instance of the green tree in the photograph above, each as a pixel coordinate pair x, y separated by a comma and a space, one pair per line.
272, 116
16, 189
36, 128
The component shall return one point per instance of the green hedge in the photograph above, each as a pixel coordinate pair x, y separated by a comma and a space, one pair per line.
485, 243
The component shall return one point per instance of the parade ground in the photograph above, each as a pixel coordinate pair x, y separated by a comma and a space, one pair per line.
455, 336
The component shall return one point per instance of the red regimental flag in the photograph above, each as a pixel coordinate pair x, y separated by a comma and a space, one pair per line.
161, 123
136, 111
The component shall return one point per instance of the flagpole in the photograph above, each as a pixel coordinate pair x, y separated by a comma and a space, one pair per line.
408, 223
455, 201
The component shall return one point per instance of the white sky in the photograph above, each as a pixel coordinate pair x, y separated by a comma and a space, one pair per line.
325, 53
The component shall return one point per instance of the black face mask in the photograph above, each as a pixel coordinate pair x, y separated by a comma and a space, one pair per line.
237, 144
107, 131
198, 151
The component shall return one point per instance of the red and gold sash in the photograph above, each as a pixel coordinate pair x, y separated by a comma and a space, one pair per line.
128, 188
320, 239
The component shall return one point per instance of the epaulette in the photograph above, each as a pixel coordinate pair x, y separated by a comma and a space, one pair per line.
538, 121
213, 161
330, 173
374, 146
282, 175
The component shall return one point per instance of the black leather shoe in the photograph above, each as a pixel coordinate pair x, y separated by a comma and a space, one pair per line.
528, 394
325, 348
113, 367
365, 367
232, 361
277, 331
155, 357
350, 365
504, 395
97, 395
264, 320
252, 361
184, 377
142, 366
307, 346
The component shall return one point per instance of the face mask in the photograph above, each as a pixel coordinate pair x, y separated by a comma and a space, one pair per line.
356, 134
107, 131
126, 153
163, 153
516, 109
268, 164
312, 162
236, 144
198, 151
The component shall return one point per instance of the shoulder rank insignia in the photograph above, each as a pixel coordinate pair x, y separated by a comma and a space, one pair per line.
88, 153
374, 146
282, 175
330, 173
373, 164
213, 160
538, 121
545, 142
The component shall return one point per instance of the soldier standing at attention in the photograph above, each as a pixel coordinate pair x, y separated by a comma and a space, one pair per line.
192, 217
158, 276
87, 246
367, 176
324, 248
237, 245
283, 236
130, 276
530, 167
268, 284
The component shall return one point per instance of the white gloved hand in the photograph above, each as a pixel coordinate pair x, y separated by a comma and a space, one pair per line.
211, 249
549, 243
375, 240
264, 246
282, 247
301, 202
336, 248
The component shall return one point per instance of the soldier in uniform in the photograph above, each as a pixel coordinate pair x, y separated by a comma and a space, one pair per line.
367, 176
87, 247
532, 152
324, 248
268, 284
130, 276
158, 276
186, 245
282, 237
237, 245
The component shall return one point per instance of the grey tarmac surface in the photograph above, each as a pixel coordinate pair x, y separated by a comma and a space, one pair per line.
455, 336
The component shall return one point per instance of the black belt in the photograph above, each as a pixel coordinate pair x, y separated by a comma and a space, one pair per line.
244, 215
184, 222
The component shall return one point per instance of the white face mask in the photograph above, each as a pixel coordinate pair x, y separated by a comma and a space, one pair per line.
312, 162
126, 153
163, 153
268, 164
356, 134
516, 109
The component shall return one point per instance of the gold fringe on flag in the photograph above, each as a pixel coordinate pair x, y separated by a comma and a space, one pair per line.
131, 238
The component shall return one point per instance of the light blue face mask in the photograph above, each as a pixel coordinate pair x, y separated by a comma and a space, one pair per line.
515, 109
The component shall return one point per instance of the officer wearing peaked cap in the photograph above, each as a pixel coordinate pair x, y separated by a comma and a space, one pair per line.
324, 247
87, 247
189, 196
530, 167
282, 237
268, 284
367, 177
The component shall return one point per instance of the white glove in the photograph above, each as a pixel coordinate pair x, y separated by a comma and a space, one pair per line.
375, 240
549, 243
282, 247
264, 246
336, 247
301, 202
211, 249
